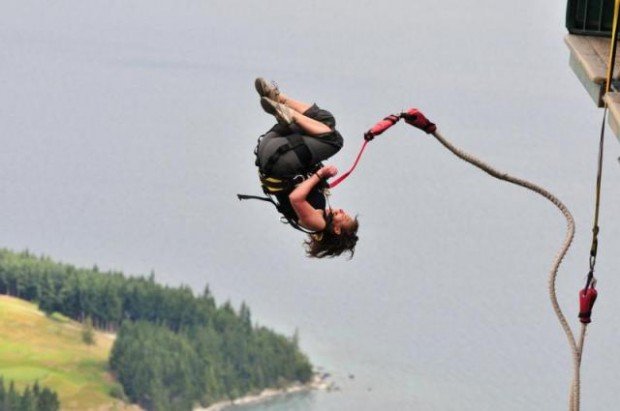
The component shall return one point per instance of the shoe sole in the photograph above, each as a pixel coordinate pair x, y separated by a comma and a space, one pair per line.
264, 89
273, 108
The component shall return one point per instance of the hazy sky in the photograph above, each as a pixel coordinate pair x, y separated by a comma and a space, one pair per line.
127, 129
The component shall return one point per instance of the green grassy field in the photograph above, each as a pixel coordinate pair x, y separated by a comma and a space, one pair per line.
50, 350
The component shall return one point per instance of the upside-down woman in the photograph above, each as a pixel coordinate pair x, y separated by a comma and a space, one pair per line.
292, 151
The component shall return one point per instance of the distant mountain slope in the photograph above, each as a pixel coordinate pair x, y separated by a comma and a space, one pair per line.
51, 350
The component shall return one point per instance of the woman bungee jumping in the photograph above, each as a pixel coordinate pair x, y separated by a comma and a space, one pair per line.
289, 160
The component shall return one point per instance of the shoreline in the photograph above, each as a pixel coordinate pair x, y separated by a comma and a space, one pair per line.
319, 382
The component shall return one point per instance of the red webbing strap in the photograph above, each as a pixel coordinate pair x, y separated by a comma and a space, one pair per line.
345, 175
377, 129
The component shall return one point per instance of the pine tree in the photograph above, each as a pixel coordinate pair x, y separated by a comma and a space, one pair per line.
48, 401
88, 333
27, 402
3, 395
12, 398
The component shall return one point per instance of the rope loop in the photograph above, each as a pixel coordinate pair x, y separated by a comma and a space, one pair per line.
576, 350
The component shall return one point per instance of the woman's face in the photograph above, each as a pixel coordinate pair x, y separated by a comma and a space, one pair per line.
341, 220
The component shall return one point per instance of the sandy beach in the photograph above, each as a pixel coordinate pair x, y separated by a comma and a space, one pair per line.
320, 381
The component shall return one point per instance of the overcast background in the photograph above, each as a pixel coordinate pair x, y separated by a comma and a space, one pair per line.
127, 128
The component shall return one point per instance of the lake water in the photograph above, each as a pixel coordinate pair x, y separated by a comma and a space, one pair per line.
128, 128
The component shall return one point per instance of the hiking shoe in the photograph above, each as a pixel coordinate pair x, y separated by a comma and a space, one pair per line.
281, 112
265, 89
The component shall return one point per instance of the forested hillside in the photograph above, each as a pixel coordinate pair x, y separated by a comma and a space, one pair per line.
174, 349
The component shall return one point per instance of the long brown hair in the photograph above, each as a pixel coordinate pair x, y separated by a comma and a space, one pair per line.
330, 244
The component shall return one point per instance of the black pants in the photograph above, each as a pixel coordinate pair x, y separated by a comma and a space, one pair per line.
321, 146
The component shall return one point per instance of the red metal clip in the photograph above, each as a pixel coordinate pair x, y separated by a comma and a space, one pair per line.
587, 297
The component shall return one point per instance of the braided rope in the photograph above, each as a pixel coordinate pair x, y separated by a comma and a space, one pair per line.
570, 233
576, 379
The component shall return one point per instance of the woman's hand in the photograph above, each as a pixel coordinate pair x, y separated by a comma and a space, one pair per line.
308, 216
327, 172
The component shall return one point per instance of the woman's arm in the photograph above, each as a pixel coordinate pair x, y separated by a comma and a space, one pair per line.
310, 217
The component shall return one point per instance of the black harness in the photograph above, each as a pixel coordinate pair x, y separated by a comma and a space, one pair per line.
273, 186
295, 143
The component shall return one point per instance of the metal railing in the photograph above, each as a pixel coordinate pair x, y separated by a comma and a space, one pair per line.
590, 17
